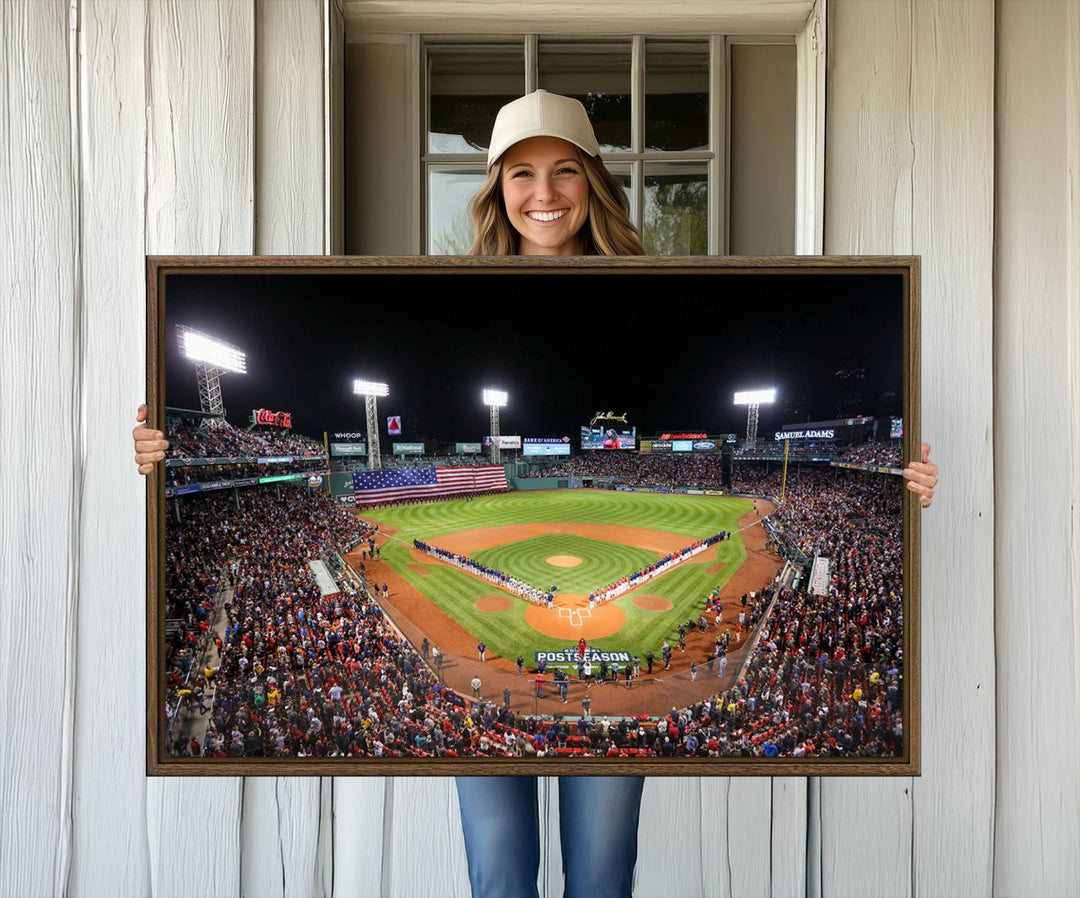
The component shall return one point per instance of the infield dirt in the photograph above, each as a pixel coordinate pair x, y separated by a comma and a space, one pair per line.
417, 617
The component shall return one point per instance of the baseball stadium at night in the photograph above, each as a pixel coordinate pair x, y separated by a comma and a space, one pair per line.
502, 522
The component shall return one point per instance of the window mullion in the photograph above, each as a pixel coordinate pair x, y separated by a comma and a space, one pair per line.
532, 62
718, 200
637, 128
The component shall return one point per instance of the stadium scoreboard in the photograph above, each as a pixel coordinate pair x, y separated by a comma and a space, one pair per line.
608, 437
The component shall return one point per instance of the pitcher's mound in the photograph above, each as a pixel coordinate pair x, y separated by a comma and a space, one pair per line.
563, 560
493, 603
653, 603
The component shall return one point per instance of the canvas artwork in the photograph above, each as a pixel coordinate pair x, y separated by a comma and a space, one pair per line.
434, 516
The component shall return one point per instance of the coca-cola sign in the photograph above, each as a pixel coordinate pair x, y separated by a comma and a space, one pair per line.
272, 419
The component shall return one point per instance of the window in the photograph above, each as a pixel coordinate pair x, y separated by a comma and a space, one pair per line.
656, 106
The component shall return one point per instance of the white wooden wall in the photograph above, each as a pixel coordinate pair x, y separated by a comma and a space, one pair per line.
200, 127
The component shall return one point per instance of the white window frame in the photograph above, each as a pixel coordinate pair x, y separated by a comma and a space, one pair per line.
809, 41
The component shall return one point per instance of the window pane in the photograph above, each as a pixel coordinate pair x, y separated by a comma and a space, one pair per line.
467, 86
449, 191
676, 95
597, 74
676, 209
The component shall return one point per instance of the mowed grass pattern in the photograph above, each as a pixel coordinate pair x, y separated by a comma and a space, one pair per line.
602, 563
507, 633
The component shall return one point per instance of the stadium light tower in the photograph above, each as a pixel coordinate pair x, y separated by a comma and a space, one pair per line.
752, 399
371, 391
212, 358
494, 400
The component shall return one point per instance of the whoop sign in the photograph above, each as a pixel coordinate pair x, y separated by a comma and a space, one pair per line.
272, 419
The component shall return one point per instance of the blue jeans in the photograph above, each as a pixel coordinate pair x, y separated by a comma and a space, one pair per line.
598, 823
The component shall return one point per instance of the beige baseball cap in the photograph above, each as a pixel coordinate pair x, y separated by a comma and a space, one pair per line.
541, 114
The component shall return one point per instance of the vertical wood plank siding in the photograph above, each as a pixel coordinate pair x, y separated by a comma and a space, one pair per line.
868, 173
909, 168
41, 452
110, 786
1037, 366
282, 816
199, 200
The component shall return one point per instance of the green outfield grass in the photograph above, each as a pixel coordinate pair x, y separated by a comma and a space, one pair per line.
506, 632
602, 563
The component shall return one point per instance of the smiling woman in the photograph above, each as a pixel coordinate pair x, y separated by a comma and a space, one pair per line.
546, 195
547, 190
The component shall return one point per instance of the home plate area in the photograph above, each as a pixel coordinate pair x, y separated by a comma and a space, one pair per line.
575, 615
573, 618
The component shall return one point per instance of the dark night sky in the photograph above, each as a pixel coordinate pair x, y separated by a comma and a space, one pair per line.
563, 347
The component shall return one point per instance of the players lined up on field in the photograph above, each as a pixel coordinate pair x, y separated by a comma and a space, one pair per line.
662, 566
547, 597
493, 575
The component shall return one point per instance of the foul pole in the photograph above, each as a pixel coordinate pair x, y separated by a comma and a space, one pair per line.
783, 478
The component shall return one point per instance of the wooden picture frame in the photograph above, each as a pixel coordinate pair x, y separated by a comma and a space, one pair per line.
809, 303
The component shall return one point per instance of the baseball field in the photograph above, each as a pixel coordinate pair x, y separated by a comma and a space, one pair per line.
576, 540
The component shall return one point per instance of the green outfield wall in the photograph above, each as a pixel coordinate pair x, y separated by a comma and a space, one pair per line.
341, 484
539, 483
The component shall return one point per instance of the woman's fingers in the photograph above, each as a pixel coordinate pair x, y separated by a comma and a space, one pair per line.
923, 467
922, 477
150, 444
925, 494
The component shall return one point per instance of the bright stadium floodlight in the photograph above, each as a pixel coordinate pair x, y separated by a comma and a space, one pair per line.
212, 358
370, 391
370, 388
752, 399
494, 400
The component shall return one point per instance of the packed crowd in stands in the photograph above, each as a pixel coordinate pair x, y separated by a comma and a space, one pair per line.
704, 471
304, 674
180, 476
634, 469
884, 454
247, 533
359, 463
827, 671
216, 438
774, 449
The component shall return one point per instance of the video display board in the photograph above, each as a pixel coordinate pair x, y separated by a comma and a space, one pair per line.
547, 446
608, 438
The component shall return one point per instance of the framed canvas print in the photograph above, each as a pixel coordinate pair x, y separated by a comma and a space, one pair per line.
535, 516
